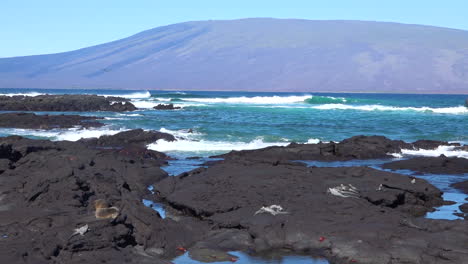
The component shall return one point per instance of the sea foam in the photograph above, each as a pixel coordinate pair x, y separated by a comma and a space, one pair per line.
23, 94
442, 110
252, 100
210, 146
72, 134
448, 151
136, 95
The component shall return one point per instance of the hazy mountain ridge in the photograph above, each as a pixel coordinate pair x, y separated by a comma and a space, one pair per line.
260, 55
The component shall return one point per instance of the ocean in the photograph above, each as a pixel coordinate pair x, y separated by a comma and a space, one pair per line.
210, 123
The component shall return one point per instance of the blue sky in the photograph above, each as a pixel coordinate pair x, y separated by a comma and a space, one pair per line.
49, 26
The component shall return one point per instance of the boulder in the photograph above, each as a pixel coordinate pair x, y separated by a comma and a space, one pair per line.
166, 107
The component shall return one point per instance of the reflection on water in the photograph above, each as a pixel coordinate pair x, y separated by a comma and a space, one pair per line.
446, 211
155, 206
441, 181
244, 258
179, 166
348, 163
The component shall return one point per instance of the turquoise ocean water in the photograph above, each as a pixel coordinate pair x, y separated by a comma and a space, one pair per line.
222, 121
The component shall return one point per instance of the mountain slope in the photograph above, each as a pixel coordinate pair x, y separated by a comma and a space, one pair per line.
260, 55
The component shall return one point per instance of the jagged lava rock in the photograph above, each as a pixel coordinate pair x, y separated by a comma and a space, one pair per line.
135, 137
48, 191
64, 103
33, 121
357, 147
378, 226
435, 165
166, 107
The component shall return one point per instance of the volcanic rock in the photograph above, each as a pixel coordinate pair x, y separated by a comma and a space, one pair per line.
72, 202
358, 147
378, 225
131, 143
135, 137
166, 107
435, 165
432, 144
33, 121
48, 194
464, 208
64, 103
462, 186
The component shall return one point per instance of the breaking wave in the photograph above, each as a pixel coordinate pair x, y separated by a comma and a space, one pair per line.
186, 145
252, 100
72, 134
24, 94
442, 110
448, 151
136, 95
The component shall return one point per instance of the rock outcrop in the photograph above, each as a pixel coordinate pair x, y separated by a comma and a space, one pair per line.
65, 103
166, 107
33, 121
346, 214
435, 165
62, 202
81, 202
358, 147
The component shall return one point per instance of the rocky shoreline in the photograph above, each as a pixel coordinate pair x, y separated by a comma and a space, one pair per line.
76, 202
65, 103
47, 122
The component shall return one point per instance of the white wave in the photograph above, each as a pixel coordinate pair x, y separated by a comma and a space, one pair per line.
163, 99
114, 118
120, 114
183, 133
448, 151
144, 104
252, 100
443, 110
209, 146
136, 95
313, 141
188, 105
72, 134
24, 94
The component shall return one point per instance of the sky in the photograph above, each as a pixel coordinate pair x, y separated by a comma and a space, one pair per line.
31, 27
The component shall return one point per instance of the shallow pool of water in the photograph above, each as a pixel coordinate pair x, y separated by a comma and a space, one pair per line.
244, 258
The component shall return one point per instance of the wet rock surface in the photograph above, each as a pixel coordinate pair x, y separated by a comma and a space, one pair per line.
81, 202
62, 202
462, 186
64, 103
358, 147
135, 137
33, 121
166, 107
435, 165
131, 143
376, 224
